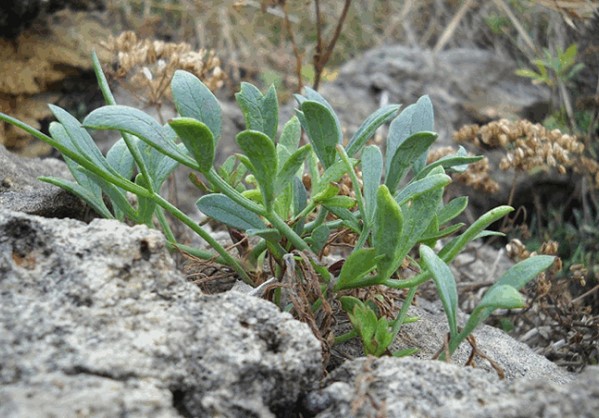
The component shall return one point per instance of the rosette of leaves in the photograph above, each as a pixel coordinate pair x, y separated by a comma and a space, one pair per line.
398, 214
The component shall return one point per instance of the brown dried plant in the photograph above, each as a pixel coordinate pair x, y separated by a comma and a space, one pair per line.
146, 67
476, 175
531, 146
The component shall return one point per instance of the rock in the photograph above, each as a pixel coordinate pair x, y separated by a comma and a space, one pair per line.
45, 61
20, 189
96, 321
395, 388
465, 86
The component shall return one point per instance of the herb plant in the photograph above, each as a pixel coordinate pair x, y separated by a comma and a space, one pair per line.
395, 211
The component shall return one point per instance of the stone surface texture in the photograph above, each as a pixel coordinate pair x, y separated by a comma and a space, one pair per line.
410, 388
96, 320
20, 189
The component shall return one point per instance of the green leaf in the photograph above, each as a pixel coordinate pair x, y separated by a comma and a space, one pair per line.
223, 209
372, 170
453, 248
291, 134
357, 265
119, 157
406, 154
346, 216
321, 127
339, 202
452, 209
445, 283
457, 162
194, 100
388, 229
198, 139
523, 272
261, 112
158, 164
116, 195
134, 121
423, 186
92, 199
291, 166
80, 141
331, 175
433, 236
415, 118
319, 238
261, 152
525, 72
300, 201
418, 213
369, 127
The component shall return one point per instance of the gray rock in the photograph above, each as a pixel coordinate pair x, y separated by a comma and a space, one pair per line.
395, 388
96, 320
21, 191
465, 86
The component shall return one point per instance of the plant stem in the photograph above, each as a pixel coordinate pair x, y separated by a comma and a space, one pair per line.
229, 260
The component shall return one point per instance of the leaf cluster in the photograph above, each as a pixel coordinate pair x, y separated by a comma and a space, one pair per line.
396, 210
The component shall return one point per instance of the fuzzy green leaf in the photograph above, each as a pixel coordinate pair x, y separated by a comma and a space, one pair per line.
405, 155
291, 166
261, 152
388, 229
194, 100
134, 121
223, 209
445, 283
119, 157
357, 265
369, 127
291, 134
261, 112
322, 130
453, 248
372, 170
198, 139
452, 209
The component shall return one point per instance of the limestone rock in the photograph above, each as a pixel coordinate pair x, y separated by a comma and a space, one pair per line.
96, 318
398, 388
465, 86
20, 190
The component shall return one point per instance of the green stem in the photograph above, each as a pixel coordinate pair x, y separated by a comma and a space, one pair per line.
408, 283
166, 228
230, 261
109, 99
286, 230
352, 176
345, 337
78, 158
196, 252
404, 311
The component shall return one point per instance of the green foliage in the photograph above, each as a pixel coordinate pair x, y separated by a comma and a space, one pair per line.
553, 68
260, 193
